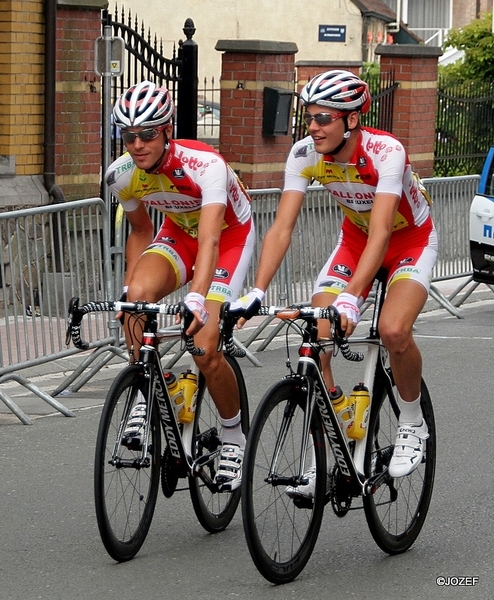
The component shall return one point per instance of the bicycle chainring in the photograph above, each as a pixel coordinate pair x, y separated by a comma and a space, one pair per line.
171, 471
339, 493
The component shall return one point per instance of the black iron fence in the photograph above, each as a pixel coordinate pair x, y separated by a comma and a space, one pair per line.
464, 127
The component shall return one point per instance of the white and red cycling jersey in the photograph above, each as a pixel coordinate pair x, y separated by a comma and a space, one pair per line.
379, 164
192, 176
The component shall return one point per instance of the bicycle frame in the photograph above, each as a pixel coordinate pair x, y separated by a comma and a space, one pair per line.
350, 460
178, 436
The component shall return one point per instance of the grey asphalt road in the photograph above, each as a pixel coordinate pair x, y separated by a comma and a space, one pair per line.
50, 547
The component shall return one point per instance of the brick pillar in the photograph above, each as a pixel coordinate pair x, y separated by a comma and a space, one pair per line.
415, 100
78, 104
247, 67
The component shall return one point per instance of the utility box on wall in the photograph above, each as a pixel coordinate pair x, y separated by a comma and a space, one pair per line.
277, 111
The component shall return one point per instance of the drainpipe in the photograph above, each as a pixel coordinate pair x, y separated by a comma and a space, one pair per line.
55, 193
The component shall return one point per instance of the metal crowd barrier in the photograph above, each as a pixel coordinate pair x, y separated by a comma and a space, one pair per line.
318, 227
51, 253
452, 197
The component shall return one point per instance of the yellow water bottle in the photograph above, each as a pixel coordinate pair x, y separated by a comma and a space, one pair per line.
176, 393
342, 407
360, 401
188, 383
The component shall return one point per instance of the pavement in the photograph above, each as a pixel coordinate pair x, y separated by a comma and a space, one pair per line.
43, 380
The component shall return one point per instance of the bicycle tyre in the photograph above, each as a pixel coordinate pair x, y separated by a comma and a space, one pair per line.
281, 532
214, 510
125, 498
396, 512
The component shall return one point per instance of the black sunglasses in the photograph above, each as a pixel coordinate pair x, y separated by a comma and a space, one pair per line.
145, 135
322, 118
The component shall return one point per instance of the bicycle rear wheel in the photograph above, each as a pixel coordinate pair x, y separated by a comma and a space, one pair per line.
125, 482
281, 531
397, 511
214, 510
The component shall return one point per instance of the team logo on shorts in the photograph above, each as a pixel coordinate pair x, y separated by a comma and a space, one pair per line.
178, 173
221, 273
404, 261
166, 240
342, 270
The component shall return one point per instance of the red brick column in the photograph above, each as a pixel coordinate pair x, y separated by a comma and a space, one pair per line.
414, 109
247, 67
78, 107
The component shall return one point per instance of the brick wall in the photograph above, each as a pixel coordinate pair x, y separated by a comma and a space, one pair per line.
21, 87
465, 11
78, 108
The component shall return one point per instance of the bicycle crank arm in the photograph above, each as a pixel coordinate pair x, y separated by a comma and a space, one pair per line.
375, 482
199, 464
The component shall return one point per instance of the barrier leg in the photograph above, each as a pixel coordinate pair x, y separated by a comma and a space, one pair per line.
15, 409
444, 302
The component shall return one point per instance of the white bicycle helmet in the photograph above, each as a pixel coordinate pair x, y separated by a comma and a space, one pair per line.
341, 90
144, 105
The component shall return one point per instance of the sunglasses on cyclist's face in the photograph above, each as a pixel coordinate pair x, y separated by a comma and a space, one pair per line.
322, 118
145, 135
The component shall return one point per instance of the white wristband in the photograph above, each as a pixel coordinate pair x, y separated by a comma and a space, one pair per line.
195, 301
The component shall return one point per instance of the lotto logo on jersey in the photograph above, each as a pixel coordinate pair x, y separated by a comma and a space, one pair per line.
193, 162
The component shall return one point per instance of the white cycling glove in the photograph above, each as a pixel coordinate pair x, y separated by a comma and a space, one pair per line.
248, 304
349, 306
194, 301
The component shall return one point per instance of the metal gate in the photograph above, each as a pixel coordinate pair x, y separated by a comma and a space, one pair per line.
144, 60
465, 121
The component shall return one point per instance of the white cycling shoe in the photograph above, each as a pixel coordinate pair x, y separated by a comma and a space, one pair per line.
409, 449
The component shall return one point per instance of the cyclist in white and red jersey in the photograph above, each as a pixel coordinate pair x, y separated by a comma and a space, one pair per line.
207, 239
387, 224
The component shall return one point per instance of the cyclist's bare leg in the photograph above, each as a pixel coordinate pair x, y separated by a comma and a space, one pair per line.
404, 301
220, 378
152, 279
146, 285
324, 300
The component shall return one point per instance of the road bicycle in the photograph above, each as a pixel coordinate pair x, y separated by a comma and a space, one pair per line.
127, 475
295, 427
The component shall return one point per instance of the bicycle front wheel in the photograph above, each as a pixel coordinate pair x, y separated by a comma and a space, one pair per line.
282, 529
126, 481
397, 511
214, 510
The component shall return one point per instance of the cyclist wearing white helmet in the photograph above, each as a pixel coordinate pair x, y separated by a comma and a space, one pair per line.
206, 239
387, 224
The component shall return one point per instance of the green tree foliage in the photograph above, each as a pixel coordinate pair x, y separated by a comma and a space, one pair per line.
477, 41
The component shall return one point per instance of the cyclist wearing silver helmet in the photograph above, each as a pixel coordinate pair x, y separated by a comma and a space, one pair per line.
387, 224
206, 239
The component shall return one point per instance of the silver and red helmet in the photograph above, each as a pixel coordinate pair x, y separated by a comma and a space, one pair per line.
341, 90
144, 105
